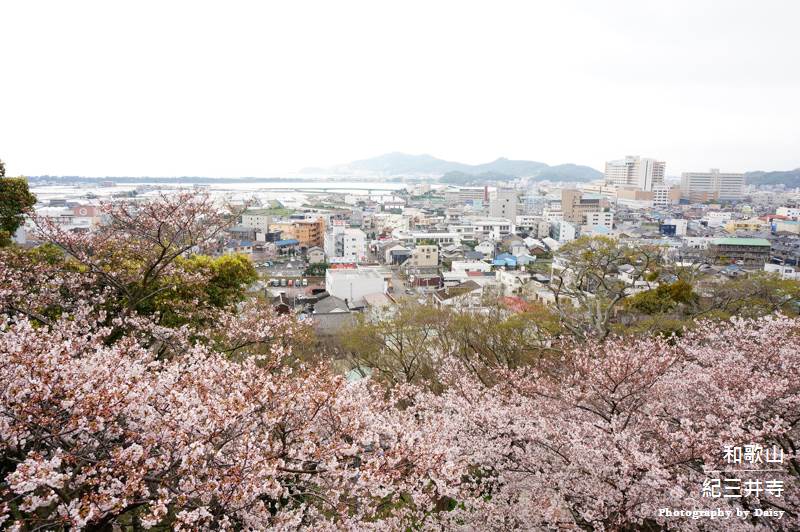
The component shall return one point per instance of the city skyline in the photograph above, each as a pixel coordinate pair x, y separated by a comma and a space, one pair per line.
196, 88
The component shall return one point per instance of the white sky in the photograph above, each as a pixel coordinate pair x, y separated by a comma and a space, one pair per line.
232, 88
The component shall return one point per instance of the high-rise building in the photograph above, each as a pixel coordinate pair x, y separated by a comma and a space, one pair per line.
503, 203
575, 205
345, 242
698, 187
635, 171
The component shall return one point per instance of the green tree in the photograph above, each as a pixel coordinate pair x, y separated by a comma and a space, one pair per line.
587, 284
316, 270
755, 295
15, 201
663, 299
221, 283
396, 348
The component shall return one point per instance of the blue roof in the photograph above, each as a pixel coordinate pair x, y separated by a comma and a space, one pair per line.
505, 259
287, 242
245, 243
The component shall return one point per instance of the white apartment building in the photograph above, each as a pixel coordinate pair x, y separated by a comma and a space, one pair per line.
495, 228
599, 219
535, 226
503, 203
527, 222
345, 242
256, 220
461, 195
563, 231
640, 172
512, 281
552, 215
713, 185
661, 195
440, 238
785, 272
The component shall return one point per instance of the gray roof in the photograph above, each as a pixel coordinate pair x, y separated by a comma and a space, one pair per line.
330, 305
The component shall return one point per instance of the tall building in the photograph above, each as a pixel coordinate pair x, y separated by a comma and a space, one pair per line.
503, 203
635, 171
308, 233
460, 195
257, 219
345, 242
698, 187
575, 205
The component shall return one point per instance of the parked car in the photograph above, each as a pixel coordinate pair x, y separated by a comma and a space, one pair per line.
283, 282
305, 282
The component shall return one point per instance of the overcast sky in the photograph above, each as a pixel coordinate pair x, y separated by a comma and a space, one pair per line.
260, 88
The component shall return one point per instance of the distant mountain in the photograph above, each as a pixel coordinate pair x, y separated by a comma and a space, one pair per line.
464, 179
569, 172
392, 164
789, 178
510, 167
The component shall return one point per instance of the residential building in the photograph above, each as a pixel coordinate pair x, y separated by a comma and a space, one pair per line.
416, 237
664, 195
308, 232
424, 256
257, 220
784, 271
503, 203
599, 219
345, 242
467, 295
640, 172
494, 228
512, 281
563, 231
315, 255
485, 247
699, 187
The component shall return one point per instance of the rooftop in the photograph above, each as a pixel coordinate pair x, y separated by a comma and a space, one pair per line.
740, 242
458, 290
353, 274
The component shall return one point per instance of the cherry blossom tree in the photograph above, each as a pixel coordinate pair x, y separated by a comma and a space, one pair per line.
111, 417
611, 433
